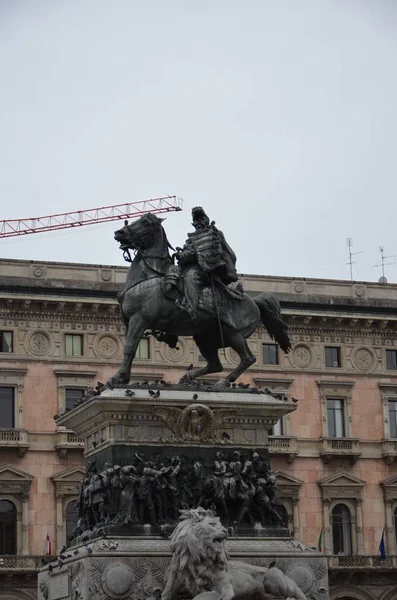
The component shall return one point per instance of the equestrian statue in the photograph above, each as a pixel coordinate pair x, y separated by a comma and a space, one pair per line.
193, 292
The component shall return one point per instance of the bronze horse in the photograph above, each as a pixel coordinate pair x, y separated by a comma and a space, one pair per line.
145, 305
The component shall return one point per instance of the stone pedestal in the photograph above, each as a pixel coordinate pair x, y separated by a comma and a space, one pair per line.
122, 568
176, 430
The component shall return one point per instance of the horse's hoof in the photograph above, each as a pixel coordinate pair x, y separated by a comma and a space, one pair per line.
222, 384
118, 379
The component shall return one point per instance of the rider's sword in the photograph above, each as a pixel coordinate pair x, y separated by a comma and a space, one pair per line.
218, 316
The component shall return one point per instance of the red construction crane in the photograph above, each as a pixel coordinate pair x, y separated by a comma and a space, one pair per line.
92, 216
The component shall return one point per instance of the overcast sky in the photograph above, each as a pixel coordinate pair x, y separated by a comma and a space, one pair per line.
278, 116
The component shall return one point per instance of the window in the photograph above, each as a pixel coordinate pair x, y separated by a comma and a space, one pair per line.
395, 522
6, 341
341, 530
393, 418
72, 515
336, 428
72, 395
73, 344
7, 408
270, 354
282, 511
332, 356
143, 350
8, 527
278, 428
391, 359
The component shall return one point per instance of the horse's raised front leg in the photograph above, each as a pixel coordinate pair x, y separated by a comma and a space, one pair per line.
210, 353
136, 329
239, 345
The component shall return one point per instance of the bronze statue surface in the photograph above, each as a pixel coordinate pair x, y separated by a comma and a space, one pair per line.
198, 296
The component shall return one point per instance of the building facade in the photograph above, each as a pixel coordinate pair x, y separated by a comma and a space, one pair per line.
61, 332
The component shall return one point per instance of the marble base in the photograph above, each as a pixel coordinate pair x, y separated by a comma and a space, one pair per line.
136, 567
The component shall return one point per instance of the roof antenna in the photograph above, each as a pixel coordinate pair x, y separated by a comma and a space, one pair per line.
351, 262
383, 264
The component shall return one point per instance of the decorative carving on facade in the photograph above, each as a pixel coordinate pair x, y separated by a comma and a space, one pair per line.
38, 272
174, 355
39, 343
302, 355
107, 346
363, 359
195, 422
106, 275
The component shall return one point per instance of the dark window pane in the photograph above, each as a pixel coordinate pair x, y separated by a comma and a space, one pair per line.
341, 530
270, 354
72, 515
282, 511
74, 344
335, 417
7, 410
332, 357
6, 341
143, 350
8, 532
393, 418
277, 429
391, 359
395, 522
71, 395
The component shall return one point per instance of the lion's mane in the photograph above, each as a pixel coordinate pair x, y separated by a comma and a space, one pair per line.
199, 552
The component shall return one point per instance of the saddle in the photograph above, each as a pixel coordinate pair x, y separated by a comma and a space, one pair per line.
173, 289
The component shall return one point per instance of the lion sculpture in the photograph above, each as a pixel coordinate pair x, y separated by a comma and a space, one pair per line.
200, 564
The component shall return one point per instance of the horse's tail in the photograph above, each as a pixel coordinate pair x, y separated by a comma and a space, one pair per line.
271, 318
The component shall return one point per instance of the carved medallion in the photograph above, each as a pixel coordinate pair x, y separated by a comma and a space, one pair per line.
38, 272
39, 343
302, 356
174, 355
298, 287
303, 575
363, 359
107, 346
118, 580
106, 275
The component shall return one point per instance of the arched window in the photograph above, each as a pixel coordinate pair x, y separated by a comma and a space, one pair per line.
282, 511
341, 530
8, 527
72, 515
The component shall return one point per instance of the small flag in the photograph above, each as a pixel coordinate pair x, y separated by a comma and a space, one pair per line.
47, 547
320, 542
382, 547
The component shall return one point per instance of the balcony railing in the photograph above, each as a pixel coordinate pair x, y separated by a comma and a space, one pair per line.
282, 444
389, 450
349, 447
15, 438
361, 562
14, 562
68, 440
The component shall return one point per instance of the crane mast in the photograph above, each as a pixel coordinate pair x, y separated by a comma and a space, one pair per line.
91, 216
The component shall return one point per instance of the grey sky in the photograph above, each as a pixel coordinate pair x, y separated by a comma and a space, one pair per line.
278, 116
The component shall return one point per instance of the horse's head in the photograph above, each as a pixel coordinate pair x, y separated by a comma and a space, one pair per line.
140, 234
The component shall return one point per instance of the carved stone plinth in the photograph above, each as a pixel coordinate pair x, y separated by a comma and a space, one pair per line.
183, 417
121, 568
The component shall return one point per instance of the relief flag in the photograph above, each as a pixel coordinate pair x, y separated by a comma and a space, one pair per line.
320, 542
382, 546
47, 546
